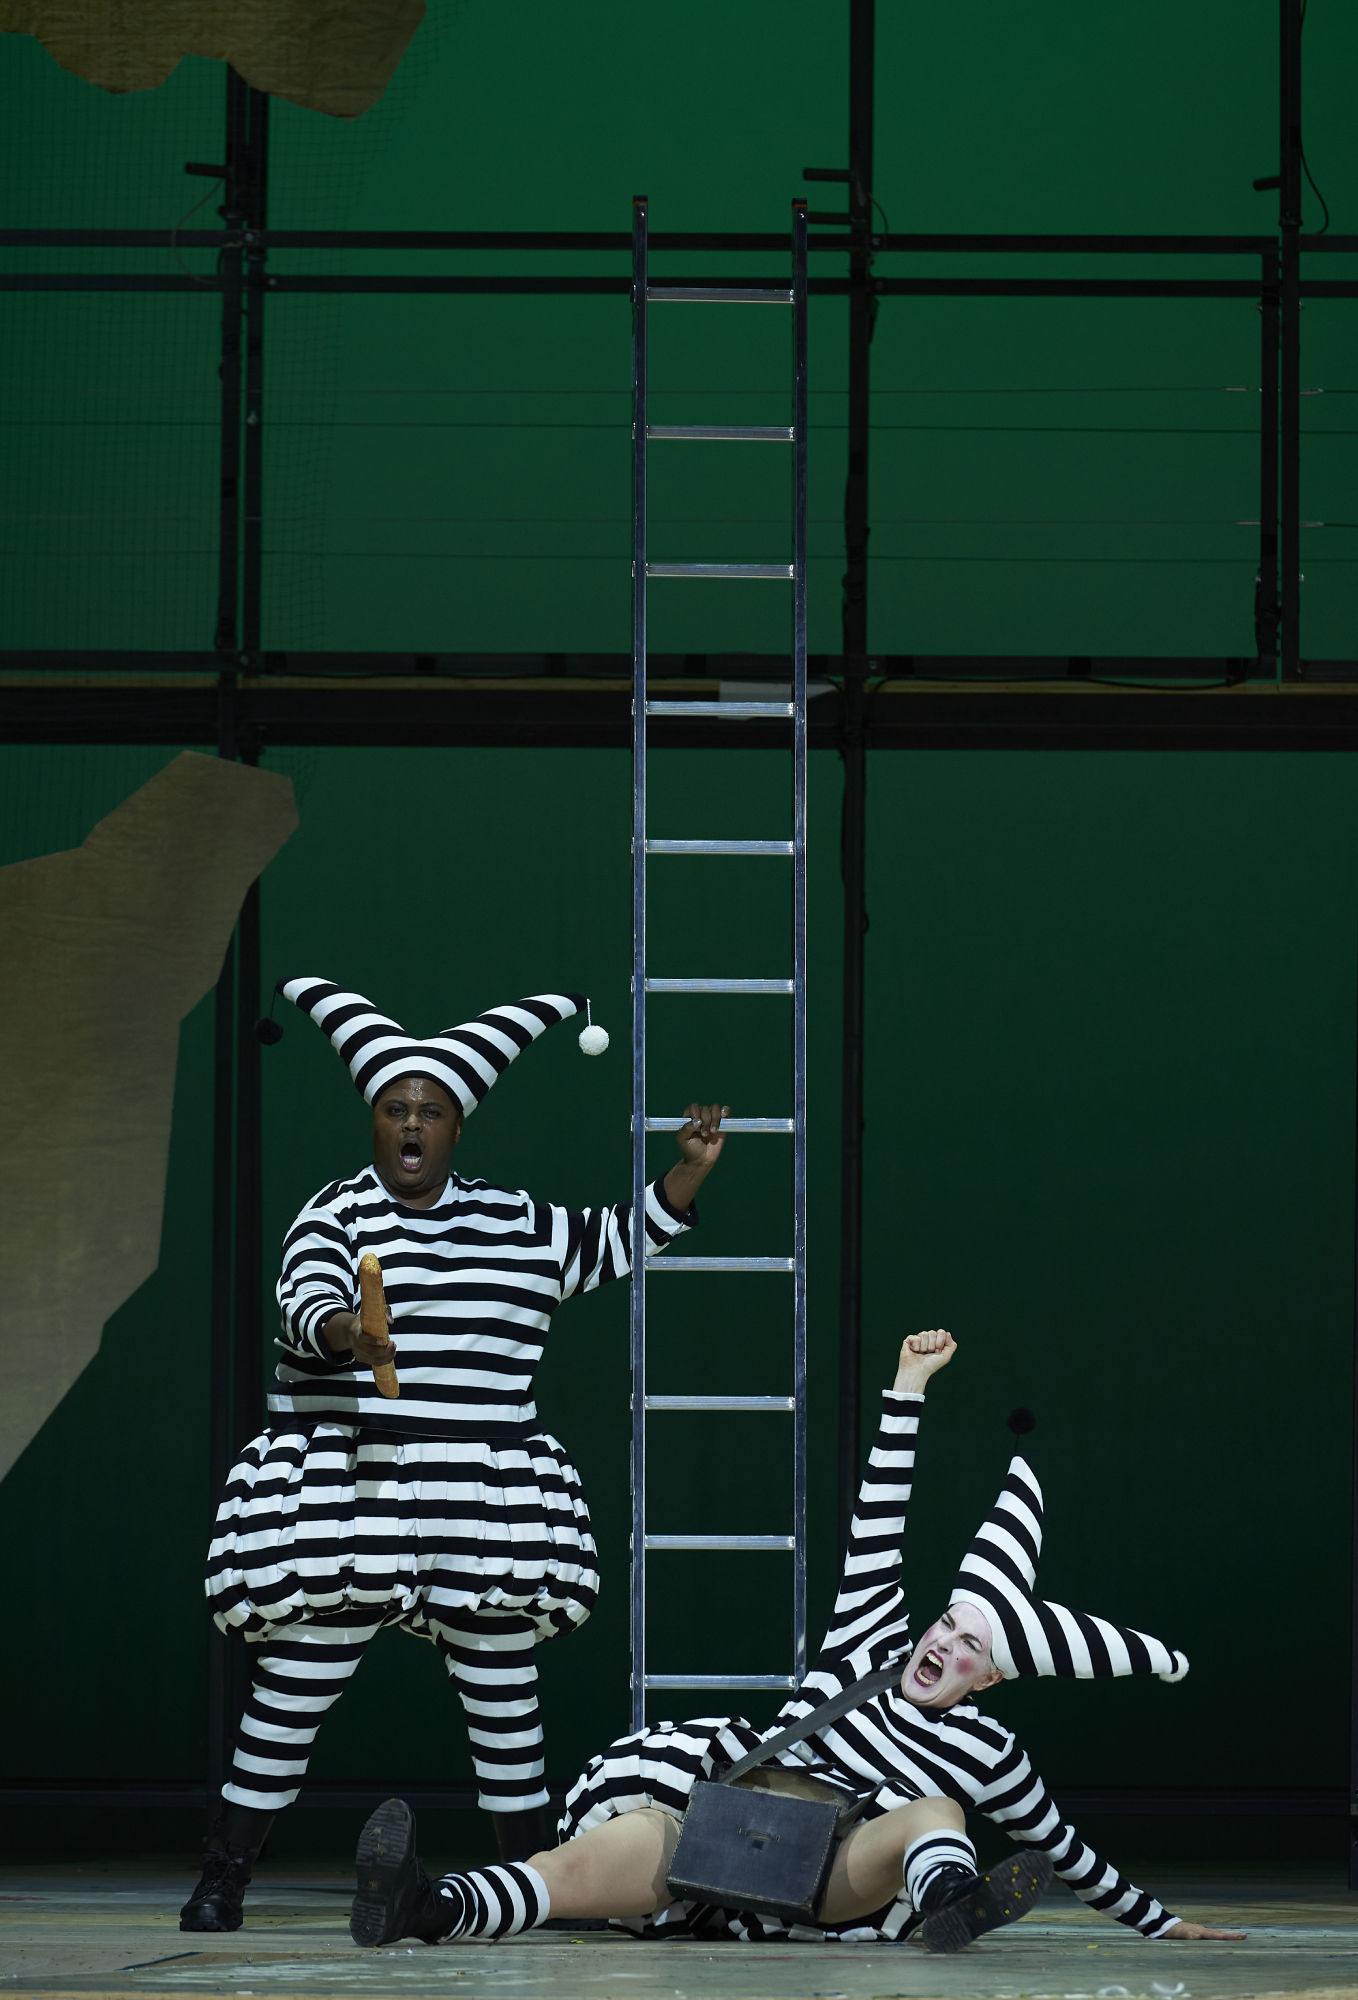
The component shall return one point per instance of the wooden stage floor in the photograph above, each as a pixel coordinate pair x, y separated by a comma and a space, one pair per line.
114, 1930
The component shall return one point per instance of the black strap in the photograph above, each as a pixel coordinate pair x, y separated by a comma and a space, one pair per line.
829, 1711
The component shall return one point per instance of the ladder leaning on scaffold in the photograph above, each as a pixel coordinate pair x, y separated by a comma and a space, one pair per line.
644, 296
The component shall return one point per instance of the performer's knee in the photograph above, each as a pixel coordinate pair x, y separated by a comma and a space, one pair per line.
930, 1814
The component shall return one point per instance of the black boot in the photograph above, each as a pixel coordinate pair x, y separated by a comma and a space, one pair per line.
521, 1835
394, 1898
948, 1882
233, 1849
966, 1908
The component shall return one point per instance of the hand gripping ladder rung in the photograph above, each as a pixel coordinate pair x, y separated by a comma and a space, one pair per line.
675, 574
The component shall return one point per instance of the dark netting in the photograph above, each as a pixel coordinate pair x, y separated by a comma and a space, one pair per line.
108, 401
52, 795
450, 473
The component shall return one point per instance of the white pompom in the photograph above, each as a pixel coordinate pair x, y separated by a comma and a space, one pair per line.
593, 1041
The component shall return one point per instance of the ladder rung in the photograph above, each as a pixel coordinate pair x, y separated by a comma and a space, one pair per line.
747, 433
721, 1402
719, 986
733, 711
727, 295
720, 1542
718, 846
750, 1681
686, 1263
770, 572
728, 1125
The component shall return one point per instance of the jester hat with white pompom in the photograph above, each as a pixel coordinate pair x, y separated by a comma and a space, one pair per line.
465, 1061
1029, 1636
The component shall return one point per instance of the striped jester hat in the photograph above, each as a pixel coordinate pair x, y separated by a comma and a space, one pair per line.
465, 1061
1029, 1636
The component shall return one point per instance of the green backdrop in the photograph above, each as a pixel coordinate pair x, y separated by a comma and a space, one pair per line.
1111, 999
1110, 1143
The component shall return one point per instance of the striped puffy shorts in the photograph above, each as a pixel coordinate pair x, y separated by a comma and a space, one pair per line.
325, 1519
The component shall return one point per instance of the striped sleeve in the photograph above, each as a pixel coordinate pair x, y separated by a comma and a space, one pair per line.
598, 1241
870, 1604
318, 1279
1016, 1799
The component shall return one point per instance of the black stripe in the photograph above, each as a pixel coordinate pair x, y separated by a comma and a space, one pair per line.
358, 1010
1138, 1651
1012, 1623
435, 1065
1099, 1657
1062, 1658
462, 1038
549, 1016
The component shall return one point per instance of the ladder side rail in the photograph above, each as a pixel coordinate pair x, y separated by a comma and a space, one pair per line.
638, 1287
799, 424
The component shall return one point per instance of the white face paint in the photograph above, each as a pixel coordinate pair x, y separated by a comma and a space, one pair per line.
952, 1661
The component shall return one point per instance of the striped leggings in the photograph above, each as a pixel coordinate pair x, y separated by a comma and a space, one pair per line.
303, 1668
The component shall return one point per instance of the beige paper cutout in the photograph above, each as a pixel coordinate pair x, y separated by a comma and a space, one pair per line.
103, 950
336, 56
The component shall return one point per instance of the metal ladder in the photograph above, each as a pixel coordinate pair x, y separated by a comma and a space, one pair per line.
644, 296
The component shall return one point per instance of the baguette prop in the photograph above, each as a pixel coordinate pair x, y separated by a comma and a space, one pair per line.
372, 1311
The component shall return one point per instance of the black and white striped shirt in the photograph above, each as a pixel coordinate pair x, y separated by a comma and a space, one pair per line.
472, 1284
957, 1752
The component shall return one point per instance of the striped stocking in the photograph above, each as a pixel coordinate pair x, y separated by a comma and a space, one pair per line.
926, 1858
495, 1902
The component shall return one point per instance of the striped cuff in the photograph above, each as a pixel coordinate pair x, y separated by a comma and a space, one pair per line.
663, 1220
302, 1330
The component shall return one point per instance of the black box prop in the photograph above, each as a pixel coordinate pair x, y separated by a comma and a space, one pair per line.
760, 1851
769, 1851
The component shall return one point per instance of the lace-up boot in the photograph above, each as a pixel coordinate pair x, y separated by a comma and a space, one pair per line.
217, 1904
394, 1898
967, 1909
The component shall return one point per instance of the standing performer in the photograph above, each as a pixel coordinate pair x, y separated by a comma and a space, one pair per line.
923, 1749
447, 1511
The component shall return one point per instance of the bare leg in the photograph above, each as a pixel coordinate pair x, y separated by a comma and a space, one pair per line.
867, 1869
615, 1870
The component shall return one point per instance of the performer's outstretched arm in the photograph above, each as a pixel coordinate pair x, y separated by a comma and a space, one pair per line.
870, 1604
595, 1244
1017, 1800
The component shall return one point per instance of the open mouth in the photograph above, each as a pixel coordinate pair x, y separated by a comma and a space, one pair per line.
929, 1672
411, 1157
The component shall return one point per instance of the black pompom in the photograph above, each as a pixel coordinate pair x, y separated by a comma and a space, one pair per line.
268, 1032
1021, 1422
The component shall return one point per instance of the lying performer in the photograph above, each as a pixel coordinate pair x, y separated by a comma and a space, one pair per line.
448, 1511
908, 1864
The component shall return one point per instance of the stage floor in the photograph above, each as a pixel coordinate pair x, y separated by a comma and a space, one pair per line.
115, 1931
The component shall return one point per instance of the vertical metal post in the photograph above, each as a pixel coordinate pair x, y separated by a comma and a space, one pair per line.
1266, 582
638, 1287
221, 1439
799, 806
1289, 225
247, 1385
853, 752
861, 37
255, 206
233, 223
247, 1399
1353, 1566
